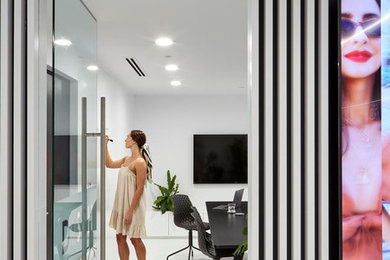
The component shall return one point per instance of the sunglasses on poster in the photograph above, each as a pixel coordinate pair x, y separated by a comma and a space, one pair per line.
371, 28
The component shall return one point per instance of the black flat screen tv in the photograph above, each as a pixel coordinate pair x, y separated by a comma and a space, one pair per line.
220, 159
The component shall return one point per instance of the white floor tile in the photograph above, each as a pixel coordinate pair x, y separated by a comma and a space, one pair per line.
157, 249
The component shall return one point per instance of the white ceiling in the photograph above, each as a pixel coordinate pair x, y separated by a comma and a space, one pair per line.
210, 44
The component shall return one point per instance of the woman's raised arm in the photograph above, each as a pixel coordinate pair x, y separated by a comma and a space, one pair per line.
109, 162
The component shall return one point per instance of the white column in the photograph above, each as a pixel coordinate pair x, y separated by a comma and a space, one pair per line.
323, 131
296, 130
19, 131
282, 128
310, 167
254, 138
6, 131
37, 49
267, 48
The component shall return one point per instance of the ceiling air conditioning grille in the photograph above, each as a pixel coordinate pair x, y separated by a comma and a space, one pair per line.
135, 67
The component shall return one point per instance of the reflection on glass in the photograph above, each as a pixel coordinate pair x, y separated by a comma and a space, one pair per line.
74, 50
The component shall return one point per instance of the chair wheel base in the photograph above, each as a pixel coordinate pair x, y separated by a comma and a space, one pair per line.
190, 251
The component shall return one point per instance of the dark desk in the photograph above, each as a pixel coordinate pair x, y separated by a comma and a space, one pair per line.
226, 229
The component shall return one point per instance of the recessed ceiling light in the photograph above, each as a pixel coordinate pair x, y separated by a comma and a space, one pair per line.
63, 42
93, 68
171, 67
175, 83
164, 41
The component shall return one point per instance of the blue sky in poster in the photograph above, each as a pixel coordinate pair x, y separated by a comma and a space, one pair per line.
385, 49
385, 46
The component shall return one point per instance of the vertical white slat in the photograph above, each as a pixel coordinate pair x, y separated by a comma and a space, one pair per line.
296, 130
268, 130
6, 130
19, 115
323, 132
37, 35
253, 142
310, 129
282, 128
32, 131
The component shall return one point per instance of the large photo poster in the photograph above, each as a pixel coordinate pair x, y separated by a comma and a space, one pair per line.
363, 143
365, 132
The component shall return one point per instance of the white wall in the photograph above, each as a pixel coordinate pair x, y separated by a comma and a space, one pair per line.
170, 122
119, 121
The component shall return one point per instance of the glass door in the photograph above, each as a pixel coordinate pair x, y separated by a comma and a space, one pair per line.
75, 150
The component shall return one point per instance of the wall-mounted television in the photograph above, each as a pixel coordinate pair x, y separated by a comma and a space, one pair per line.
220, 158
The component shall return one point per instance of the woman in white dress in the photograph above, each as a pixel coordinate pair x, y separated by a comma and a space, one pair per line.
128, 213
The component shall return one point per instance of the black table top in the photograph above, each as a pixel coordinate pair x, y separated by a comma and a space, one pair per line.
226, 229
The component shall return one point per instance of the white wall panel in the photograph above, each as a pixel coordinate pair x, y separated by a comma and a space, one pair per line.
6, 130
254, 171
282, 100
323, 131
310, 149
299, 166
19, 132
296, 130
37, 48
268, 130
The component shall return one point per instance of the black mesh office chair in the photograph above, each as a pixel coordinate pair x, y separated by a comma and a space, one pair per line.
206, 243
182, 218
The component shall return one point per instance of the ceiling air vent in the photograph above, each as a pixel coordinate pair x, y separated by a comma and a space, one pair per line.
135, 67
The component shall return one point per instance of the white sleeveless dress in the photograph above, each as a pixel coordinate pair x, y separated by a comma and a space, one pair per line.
125, 189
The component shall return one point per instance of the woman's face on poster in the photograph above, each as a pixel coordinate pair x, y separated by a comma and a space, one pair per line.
360, 50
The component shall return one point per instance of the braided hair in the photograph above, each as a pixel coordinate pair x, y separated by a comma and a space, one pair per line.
140, 138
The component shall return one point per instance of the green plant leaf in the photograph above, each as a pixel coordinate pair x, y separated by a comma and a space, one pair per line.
170, 204
172, 183
165, 201
245, 231
168, 177
158, 200
163, 208
156, 184
164, 191
241, 249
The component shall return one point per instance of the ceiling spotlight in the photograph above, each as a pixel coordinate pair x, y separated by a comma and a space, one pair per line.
164, 41
175, 83
171, 67
63, 42
93, 68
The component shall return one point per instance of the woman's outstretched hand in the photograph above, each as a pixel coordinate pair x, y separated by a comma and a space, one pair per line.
128, 217
107, 139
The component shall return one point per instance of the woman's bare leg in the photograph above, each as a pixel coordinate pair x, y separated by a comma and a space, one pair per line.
123, 248
140, 249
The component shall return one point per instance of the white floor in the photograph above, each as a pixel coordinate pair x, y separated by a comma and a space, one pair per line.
158, 249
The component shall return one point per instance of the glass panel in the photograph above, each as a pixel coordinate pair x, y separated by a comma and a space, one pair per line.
73, 52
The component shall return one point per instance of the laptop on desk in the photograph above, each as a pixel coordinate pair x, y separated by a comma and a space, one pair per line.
237, 200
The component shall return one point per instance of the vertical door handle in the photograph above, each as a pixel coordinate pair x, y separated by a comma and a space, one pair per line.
102, 188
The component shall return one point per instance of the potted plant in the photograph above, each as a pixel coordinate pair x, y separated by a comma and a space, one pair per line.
164, 202
240, 251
